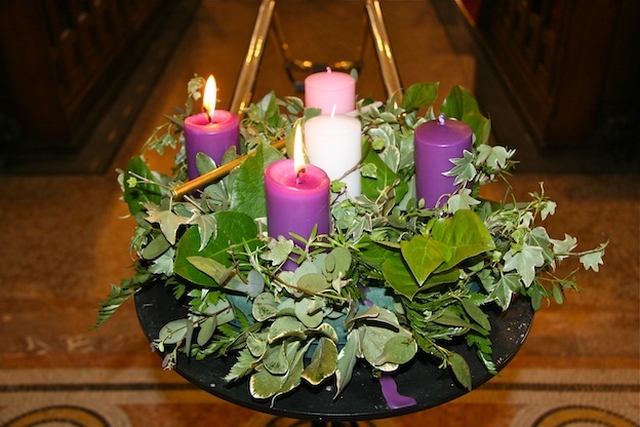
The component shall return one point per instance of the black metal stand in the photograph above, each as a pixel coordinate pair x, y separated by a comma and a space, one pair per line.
362, 399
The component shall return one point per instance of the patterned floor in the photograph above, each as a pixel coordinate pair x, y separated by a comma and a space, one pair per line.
64, 241
124, 397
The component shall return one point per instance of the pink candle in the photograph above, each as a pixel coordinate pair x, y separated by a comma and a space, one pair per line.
212, 132
328, 89
297, 199
436, 142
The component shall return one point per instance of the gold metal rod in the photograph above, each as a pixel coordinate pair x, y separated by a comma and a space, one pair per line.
383, 49
246, 79
217, 173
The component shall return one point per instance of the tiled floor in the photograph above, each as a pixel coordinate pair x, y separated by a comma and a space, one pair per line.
63, 239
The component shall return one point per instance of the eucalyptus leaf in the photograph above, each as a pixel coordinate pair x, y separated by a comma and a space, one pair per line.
306, 316
373, 341
323, 362
346, 362
204, 163
155, 248
173, 331
313, 283
257, 345
264, 307
399, 350
275, 360
263, 384
286, 326
207, 328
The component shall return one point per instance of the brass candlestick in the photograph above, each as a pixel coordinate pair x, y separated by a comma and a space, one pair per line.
217, 173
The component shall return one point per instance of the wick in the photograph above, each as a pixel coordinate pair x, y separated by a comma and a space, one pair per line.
206, 112
441, 121
298, 174
328, 69
333, 110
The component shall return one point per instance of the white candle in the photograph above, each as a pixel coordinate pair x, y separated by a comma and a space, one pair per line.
333, 143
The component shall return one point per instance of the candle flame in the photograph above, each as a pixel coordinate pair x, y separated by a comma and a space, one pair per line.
209, 97
298, 152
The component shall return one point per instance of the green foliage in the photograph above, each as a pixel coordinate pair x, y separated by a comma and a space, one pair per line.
391, 279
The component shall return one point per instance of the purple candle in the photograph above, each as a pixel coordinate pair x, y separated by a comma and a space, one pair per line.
297, 200
330, 89
436, 142
212, 132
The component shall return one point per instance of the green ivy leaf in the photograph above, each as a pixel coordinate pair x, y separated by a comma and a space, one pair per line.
592, 260
384, 178
524, 262
504, 288
465, 233
169, 221
141, 192
423, 255
461, 201
463, 168
247, 192
420, 95
461, 105
206, 225
234, 228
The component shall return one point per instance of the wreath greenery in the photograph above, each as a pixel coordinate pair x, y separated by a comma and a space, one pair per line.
392, 279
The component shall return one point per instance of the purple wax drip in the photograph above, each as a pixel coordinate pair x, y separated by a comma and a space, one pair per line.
389, 387
390, 392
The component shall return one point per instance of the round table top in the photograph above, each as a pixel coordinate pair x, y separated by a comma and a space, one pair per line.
362, 399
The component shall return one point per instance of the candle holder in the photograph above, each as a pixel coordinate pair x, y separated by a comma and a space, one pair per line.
392, 283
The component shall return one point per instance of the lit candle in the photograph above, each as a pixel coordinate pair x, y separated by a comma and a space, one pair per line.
436, 143
211, 132
326, 90
334, 144
297, 198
